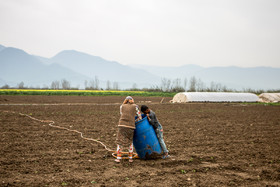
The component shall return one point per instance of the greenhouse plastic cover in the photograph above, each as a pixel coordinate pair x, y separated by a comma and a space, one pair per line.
214, 97
270, 97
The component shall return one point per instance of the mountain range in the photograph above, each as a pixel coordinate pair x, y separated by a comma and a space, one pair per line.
77, 67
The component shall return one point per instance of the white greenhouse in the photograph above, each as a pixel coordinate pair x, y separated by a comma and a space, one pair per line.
269, 97
184, 97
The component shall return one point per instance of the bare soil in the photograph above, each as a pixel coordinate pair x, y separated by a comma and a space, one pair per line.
211, 144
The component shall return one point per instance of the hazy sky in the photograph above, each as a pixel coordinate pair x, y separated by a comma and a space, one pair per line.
242, 33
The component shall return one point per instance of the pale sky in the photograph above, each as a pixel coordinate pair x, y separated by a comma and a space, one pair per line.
243, 33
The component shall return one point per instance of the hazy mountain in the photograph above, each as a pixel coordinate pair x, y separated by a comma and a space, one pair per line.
171, 72
76, 67
2, 82
2, 47
92, 66
256, 78
16, 66
43, 59
233, 77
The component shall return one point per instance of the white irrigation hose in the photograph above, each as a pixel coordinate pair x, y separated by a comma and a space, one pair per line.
51, 124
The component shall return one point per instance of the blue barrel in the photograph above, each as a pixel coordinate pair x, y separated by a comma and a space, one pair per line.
145, 140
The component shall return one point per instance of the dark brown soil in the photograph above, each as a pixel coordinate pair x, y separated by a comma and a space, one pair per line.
221, 144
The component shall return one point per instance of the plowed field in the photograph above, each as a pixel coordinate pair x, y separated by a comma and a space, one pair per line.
211, 144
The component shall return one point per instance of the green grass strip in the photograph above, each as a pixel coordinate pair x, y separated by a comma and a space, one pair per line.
84, 92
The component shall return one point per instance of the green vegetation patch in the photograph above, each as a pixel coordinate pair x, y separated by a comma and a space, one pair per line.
85, 92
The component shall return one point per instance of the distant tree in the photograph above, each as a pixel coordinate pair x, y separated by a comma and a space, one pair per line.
225, 89
176, 86
45, 87
6, 86
193, 82
91, 85
65, 84
176, 83
249, 90
115, 86
34, 87
55, 85
21, 85
134, 86
185, 84
108, 85
86, 82
153, 88
96, 83
200, 86
217, 87
212, 86
165, 84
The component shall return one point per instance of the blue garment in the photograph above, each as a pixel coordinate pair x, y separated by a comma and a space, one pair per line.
158, 129
159, 133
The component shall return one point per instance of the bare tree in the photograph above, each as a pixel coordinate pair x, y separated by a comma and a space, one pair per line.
108, 85
76, 88
185, 84
115, 86
6, 86
96, 83
176, 83
134, 86
200, 86
225, 89
65, 84
91, 85
86, 84
45, 87
21, 85
165, 84
217, 87
55, 85
193, 83
212, 86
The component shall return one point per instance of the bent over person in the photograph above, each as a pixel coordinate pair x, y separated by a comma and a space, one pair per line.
126, 127
151, 115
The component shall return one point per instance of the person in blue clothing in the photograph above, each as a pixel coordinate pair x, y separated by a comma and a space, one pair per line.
157, 126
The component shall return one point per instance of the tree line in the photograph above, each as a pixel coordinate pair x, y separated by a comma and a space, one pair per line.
166, 85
